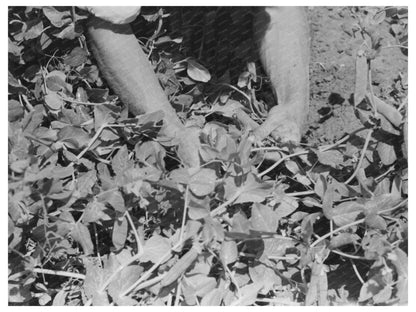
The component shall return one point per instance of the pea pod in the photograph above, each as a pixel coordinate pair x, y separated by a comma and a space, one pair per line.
181, 266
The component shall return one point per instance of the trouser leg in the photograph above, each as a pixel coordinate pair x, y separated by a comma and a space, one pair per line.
283, 35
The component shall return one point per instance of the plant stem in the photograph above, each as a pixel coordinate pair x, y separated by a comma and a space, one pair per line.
59, 273
353, 223
367, 140
136, 235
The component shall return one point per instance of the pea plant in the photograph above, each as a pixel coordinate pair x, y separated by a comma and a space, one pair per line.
102, 210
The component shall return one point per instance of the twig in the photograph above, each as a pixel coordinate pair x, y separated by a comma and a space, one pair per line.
277, 163
82, 103
150, 282
336, 230
278, 301
356, 272
322, 149
367, 140
27, 105
185, 212
59, 273
140, 248
238, 90
146, 275
346, 255
395, 46
221, 208
121, 267
178, 294
304, 193
92, 141
225, 267
370, 86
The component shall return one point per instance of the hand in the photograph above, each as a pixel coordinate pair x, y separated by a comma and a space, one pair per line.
282, 123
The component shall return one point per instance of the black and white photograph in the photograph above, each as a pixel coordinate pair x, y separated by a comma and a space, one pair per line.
207, 155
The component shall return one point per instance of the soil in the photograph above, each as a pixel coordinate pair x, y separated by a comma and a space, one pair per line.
332, 72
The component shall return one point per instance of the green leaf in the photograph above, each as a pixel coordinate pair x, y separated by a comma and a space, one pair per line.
152, 153
121, 161
203, 182
228, 109
213, 298
34, 29
197, 72
154, 248
70, 32
265, 276
15, 110
343, 239
123, 280
198, 207
370, 288
346, 212
19, 294
53, 101
93, 282
184, 100
240, 223
263, 218
331, 158
77, 57
202, 283
388, 111
82, 236
307, 224
115, 199
318, 286
399, 259
381, 202
285, 205
253, 191
19, 166
55, 81
248, 294
229, 252
386, 153
73, 137
276, 247
120, 231
361, 77
57, 18
95, 212
375, 221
